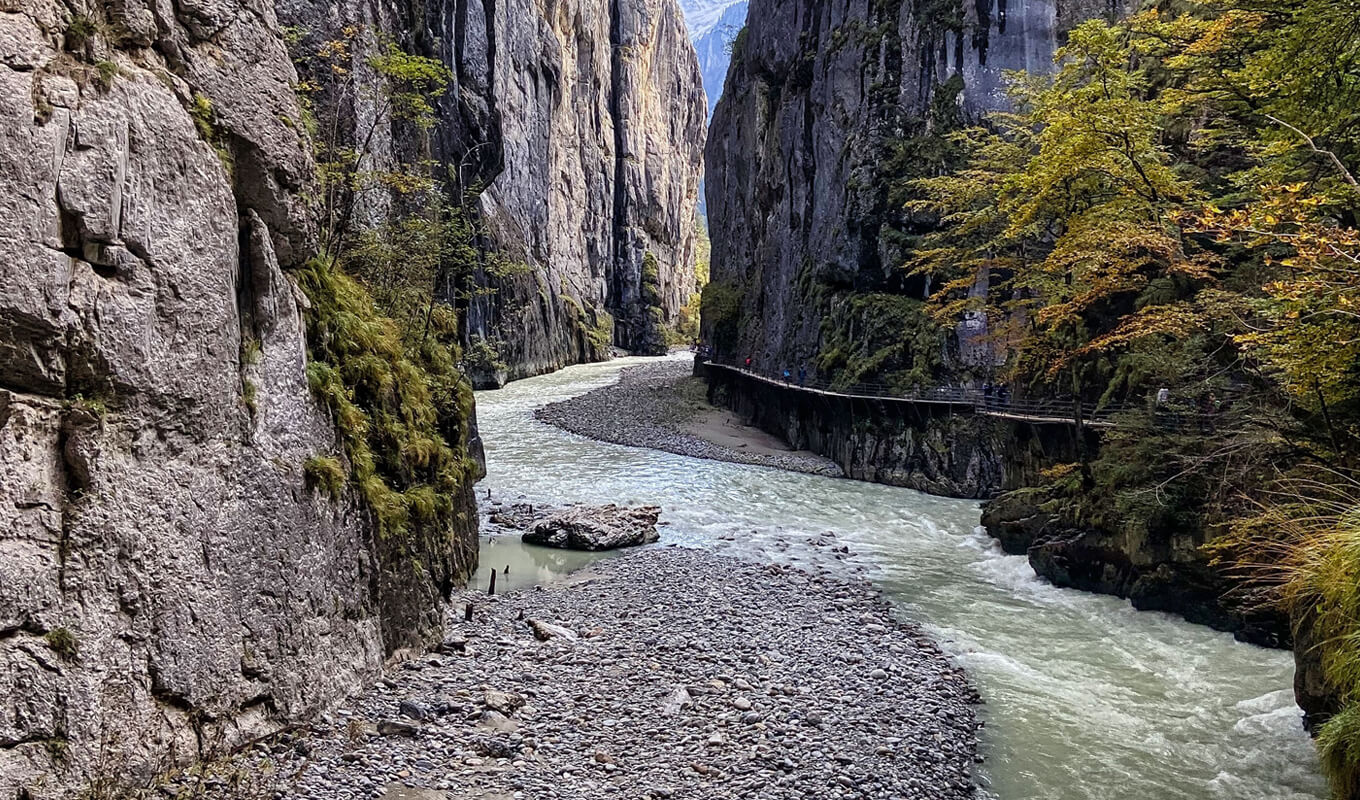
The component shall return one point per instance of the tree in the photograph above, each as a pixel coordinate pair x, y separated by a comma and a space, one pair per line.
1069, 204
351, 101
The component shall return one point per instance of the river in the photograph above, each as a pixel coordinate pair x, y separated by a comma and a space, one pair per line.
1086, 698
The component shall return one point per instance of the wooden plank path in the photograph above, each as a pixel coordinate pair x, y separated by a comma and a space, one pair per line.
974, 401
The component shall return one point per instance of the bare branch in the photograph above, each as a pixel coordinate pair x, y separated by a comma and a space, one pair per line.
1340, 167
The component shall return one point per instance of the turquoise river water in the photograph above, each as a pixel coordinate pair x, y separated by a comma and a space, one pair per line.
1086, 698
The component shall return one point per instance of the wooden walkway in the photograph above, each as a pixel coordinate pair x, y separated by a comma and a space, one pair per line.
957, 398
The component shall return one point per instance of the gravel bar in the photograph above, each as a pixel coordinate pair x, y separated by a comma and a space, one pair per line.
650, 406
666, 673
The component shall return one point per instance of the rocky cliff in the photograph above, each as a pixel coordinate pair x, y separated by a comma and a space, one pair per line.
170, 584
826, 107
181, 565
579, 127
588, 129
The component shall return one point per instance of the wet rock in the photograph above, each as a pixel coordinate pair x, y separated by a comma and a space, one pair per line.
596, 528
412, 710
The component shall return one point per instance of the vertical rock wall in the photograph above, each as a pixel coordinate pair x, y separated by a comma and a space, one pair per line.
581, 125
594, 180
169, 586
798, 186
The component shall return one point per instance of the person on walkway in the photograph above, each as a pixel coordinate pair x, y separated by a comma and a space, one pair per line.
748, 363
802, 376
787, 378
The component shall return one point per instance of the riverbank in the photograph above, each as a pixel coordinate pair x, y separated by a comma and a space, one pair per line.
664, 407
747, 680
1087, 699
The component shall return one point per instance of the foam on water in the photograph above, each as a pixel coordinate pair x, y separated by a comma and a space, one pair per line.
1087, 699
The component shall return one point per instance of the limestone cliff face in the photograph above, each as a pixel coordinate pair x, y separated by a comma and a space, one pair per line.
807, 252
800, 149
593, 178
168, 583
580, 123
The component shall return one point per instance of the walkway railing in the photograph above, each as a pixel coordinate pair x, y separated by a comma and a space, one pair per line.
977, 401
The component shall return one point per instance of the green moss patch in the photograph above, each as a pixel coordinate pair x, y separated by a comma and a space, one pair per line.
402, 408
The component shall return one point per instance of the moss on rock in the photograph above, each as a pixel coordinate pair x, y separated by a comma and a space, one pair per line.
403, 411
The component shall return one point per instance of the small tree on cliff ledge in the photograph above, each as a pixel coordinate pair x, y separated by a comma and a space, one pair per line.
350, 100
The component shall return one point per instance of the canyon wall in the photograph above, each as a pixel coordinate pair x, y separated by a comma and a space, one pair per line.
172, 582
827, 105
579, 127
591, 175
169, 584
804, 149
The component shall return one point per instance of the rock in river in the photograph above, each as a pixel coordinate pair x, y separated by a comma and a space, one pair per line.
596, 528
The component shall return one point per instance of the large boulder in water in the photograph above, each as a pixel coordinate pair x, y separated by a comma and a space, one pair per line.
595, 528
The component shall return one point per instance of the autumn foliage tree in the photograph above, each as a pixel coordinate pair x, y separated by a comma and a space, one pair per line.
1070, 203
1176, 207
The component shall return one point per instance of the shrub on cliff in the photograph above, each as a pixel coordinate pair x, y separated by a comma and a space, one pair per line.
401, 405
720, 306
881, 339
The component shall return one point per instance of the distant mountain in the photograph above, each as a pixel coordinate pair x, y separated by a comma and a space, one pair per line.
703, 15
715, 49
713, 24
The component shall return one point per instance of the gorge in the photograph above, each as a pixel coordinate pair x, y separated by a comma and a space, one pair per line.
1066, 291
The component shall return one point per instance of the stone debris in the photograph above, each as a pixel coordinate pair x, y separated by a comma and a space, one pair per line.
713, 679
679, 700
650, 406
545, 631
595, 528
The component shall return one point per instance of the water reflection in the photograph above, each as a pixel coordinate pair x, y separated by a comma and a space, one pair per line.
528, 565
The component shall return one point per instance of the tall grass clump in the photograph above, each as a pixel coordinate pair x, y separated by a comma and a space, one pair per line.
1305, 549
